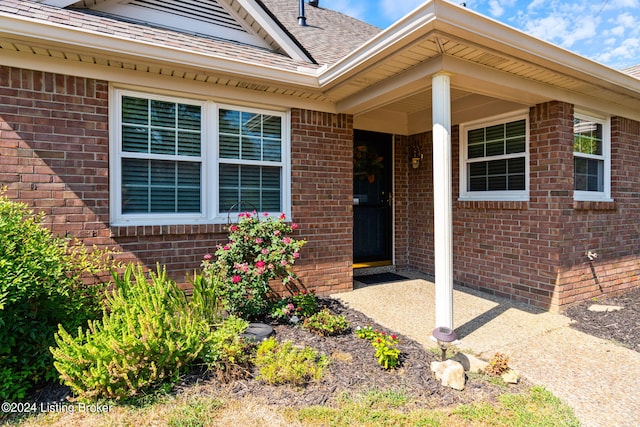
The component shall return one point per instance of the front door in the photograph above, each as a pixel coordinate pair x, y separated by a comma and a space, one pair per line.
372, 184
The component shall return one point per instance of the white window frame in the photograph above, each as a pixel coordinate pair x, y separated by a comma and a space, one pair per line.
605, 195
505, 195
210, 212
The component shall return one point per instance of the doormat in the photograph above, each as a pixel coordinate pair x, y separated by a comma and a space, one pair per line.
374, 279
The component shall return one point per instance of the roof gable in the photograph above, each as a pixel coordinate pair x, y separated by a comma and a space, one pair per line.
243, 21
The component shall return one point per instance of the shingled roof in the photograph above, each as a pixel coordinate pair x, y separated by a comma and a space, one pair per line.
329, 36
633, 71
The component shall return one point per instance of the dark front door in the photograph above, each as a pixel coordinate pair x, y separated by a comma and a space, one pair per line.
372, 213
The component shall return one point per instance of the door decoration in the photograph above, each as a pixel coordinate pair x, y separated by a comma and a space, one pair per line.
366, 163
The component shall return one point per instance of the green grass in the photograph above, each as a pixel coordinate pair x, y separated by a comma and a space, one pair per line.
535, 408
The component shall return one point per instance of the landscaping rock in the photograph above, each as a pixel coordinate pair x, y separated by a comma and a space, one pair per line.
470, 363
510, 377
450, 373
600, 308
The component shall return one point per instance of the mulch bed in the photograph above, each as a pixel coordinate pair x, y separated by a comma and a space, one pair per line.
353, 369
622, 326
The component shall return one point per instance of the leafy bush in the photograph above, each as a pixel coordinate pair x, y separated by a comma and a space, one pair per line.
326, 323
41, 286
298, 306
283, 363
257, 251
225, 352
386, 354
148, 336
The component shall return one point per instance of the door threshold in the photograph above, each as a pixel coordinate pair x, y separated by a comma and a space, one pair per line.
372, 264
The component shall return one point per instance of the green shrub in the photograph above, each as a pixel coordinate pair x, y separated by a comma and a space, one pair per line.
283, 363
41, 286
257, 251
225, 352
326, 323
148, 336
298, 306
387, 355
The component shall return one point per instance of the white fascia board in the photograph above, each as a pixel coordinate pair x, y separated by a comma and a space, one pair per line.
274, 30
16, 27
162, 83
481, 30
387, 42
470, 27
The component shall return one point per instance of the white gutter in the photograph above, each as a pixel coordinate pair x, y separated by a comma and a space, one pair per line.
471, 27
19, 27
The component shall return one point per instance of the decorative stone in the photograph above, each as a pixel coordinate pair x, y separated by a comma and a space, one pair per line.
600, 308
257, 332
450, 373
470, 363
510, 377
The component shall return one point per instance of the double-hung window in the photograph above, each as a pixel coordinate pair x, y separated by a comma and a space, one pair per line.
494, 162
183, 161
591, 158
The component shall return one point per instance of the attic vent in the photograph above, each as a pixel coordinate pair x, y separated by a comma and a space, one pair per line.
209, 11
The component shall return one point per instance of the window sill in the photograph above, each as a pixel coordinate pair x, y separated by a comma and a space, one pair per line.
493, 205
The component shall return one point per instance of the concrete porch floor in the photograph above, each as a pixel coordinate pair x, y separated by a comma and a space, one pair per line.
597, 378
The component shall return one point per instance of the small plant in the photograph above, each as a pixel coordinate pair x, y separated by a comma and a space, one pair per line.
498, 365
326, 323
386, 354
297, 307
225, 352
258, 250
146, 338
284, 363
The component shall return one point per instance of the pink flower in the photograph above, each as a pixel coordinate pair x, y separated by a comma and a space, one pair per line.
260, 264
283, 262
276, 233
393, 337
270, 266
282, 216
290, 306
265, 251
259, 240
296, 255
207, 257
236, 278
226, 247
286, 240
265, 214
294, 226
233, 228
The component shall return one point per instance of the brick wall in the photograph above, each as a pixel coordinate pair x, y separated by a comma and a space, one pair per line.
54, 147
611, 229
532, 251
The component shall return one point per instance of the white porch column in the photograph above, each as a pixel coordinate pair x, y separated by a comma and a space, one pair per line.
442, 194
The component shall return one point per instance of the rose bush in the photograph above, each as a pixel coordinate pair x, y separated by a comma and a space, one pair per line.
258, 250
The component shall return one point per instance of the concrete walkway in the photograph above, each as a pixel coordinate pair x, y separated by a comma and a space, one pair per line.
597, 378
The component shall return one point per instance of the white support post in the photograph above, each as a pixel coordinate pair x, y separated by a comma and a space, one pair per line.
442, 195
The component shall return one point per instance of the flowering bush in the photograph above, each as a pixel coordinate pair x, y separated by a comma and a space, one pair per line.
258, 250
297, 307
386, 352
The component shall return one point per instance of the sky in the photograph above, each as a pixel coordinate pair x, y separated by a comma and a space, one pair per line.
606, 31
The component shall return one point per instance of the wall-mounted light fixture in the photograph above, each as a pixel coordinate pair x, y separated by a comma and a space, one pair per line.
415, 155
